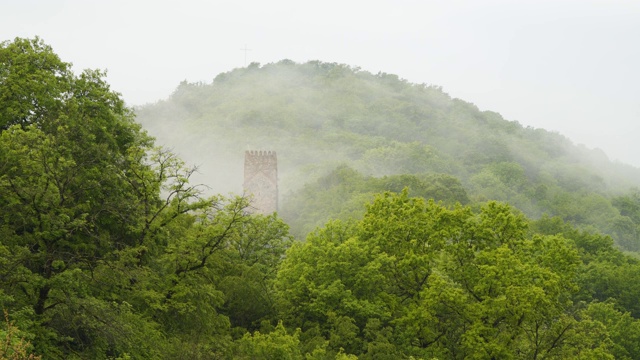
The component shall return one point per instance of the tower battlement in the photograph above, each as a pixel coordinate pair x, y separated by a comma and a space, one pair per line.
260, 153
259, 156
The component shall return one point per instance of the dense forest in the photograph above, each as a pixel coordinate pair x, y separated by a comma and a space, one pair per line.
321, 117
413, 225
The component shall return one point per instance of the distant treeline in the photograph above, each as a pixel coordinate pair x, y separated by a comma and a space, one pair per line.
320, 116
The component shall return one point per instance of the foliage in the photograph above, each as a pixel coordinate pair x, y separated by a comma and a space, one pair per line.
33, 82
11, 347
274, 345
415, 278
107, 250
319, 115
342, 193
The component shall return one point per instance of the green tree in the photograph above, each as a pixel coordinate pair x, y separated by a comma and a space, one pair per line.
106, 249
629, 205
69, 194
12, 346
623, 330
415, 278
275, 345
33, 82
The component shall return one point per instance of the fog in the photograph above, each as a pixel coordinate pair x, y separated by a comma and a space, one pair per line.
568, 66
318, 115
210, 127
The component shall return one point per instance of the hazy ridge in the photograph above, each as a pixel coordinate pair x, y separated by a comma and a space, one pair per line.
320, 115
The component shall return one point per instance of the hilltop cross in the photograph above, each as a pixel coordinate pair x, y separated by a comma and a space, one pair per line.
245, 53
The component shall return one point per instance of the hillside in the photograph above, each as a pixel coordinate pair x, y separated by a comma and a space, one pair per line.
108, 251
319, 116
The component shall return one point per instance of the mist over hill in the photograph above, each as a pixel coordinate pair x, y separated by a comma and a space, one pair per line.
108, 251
320, 117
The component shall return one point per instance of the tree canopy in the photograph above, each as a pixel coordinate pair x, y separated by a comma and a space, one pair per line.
108, 250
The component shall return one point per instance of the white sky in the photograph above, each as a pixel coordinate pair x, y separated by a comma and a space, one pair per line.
565, 65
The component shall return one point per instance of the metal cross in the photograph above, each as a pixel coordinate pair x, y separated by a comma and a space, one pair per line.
245, 53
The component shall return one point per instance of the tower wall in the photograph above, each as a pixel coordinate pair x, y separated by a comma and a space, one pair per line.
261, 180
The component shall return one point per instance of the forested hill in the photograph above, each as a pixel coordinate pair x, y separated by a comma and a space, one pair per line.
109, 251
319, 116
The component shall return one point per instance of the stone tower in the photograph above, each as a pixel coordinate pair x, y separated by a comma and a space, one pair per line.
261, 180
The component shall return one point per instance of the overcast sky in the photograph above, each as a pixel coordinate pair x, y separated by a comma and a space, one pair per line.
569, 66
